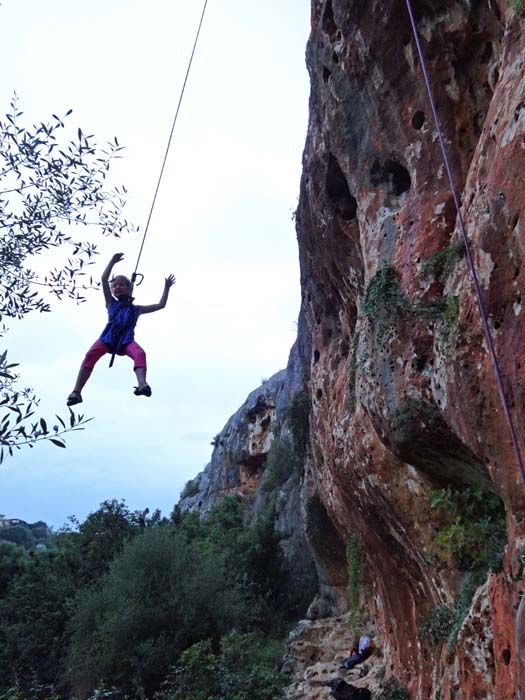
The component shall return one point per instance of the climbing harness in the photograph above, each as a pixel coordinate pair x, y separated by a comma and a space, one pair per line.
483, 313
120, 323
136, 274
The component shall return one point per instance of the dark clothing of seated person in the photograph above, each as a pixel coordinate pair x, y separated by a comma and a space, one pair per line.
363, 651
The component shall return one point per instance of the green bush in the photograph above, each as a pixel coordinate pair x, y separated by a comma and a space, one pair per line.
34, 691
384, 299
18, 534
171, 588
33, 618
40, 589
355, 557
190, 489
40, 532
91, 546
392, 689
104, 693
243, 668
107, 610
436, 628
467, 588
441, 264
298, 415
161, 595
380, 673
12, 560
475, 535
281, 463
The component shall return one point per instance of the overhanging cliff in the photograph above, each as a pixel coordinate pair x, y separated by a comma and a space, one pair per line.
405, 403
409, 475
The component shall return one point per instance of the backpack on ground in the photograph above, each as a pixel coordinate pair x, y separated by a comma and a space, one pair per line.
341, 690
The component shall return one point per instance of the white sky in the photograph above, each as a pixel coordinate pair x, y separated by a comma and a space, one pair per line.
222, 224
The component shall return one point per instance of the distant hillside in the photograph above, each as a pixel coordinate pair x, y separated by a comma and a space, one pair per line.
27, 535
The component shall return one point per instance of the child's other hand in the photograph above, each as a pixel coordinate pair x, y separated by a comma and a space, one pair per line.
170, 281
117, 257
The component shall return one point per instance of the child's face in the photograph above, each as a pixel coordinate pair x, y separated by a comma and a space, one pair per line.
119, 287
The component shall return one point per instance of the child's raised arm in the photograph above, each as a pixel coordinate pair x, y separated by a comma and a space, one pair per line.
168, 283
108, 297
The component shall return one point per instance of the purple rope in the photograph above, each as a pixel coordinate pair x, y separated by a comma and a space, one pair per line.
170, 139
483, 313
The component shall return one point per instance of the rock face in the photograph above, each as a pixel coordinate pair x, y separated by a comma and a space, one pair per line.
240, 464
315, 650
241, 448
405, 411
404, 398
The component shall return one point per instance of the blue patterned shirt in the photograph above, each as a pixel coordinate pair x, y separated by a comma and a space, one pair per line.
120, 328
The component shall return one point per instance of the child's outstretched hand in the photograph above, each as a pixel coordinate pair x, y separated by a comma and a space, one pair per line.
117, 257
170, 281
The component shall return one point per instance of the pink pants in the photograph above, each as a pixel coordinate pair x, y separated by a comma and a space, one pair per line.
99, 348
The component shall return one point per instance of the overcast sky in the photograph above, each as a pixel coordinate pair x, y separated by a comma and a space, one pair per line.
222, 224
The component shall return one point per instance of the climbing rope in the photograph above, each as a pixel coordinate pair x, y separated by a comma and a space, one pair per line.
483, 313
134, 275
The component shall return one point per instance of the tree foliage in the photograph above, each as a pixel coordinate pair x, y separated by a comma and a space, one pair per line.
281, 463
18, 534
12, 559
243, 668
122, 596
36, 605
52, 193
19, 426
50, 188
171, 588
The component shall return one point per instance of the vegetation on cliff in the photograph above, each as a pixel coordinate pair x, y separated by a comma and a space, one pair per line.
472, 538
282, 461
384, 300
355, 556
298, 415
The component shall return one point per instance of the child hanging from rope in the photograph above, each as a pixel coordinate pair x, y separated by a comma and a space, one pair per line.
118, 335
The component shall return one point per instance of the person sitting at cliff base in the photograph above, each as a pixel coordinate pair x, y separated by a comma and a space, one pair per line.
363, 651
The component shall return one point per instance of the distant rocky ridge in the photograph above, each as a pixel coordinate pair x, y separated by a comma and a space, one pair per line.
240, 457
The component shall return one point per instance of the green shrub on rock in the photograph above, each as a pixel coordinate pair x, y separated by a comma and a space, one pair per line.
281, 463
298, 415
436, 627
392, 689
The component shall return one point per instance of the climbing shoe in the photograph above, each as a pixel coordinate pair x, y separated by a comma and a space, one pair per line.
143, 390
73, 398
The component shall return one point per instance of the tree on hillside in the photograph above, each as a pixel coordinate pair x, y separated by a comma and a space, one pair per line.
52, 192
90, 546
12, 559
171, 586
18, 534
